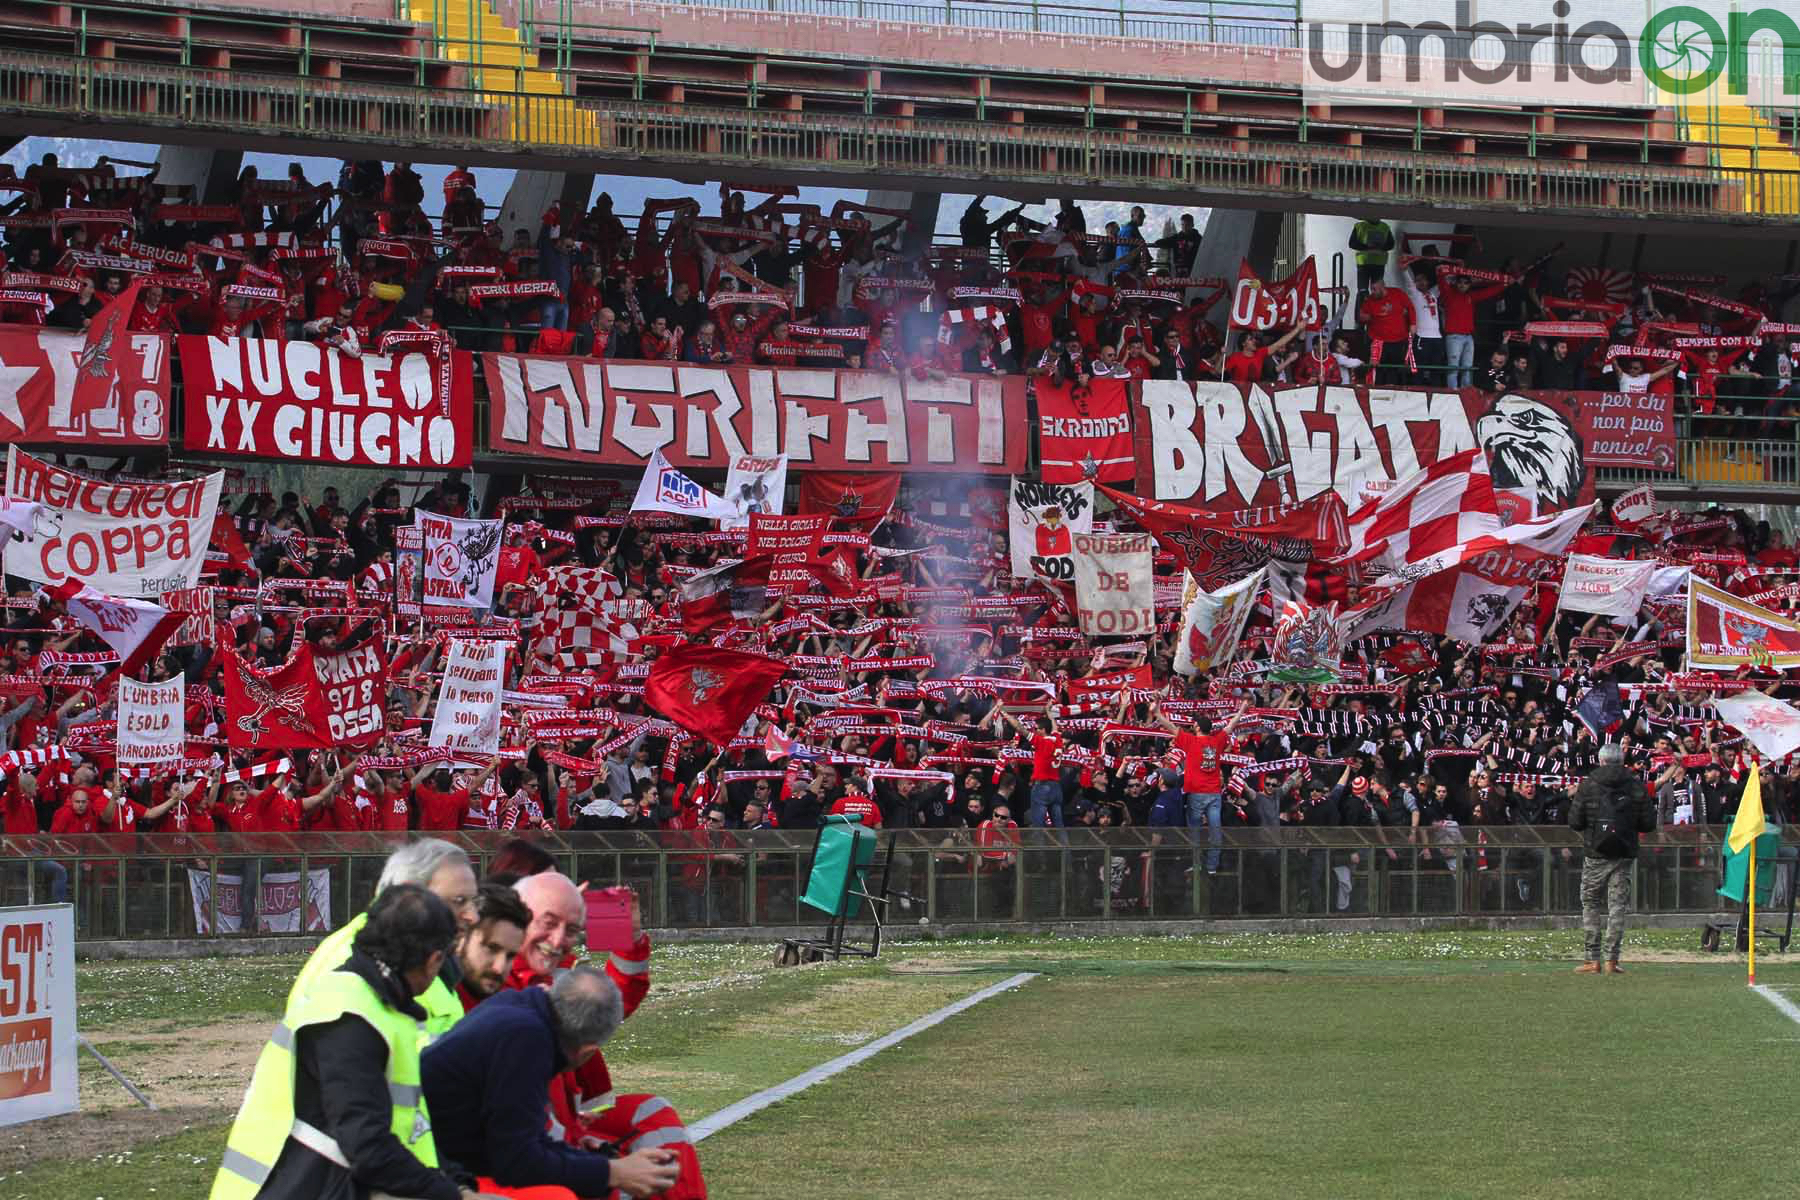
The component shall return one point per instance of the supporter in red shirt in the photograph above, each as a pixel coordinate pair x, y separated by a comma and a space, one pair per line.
77, 814
859, 807
1037, 319
20, 801
1387, 317
1203, 772
1250, 361
1046, 774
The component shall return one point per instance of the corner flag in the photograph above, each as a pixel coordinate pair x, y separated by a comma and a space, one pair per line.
1746, 827
1749, 823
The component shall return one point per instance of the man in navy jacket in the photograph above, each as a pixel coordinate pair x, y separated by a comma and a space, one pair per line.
487, 1083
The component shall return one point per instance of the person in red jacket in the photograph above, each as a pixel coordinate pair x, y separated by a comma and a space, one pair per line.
859, 806
1456, 304
1387, 317
584, 1109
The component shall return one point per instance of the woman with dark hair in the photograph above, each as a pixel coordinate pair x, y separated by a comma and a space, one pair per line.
518, 858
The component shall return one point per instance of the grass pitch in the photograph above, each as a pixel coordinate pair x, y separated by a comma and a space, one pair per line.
1440, 1065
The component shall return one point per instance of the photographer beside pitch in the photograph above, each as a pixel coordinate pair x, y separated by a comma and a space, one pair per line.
1611, 807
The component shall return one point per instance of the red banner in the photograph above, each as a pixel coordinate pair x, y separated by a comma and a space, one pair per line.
1279, 303
1224, 447
312, 701
309, 403
38, 371
1084, 433
619, 413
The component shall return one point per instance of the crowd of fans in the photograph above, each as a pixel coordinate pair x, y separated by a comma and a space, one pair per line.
783, 282
989, 724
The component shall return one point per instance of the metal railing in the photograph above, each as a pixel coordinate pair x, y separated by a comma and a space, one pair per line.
1237, 22
193, 100
155, 886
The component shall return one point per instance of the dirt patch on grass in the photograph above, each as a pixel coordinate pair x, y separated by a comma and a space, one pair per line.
195, 1076
1699, 956
939, 964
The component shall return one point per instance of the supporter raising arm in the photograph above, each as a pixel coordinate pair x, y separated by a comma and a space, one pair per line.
1203, 771
1046, 745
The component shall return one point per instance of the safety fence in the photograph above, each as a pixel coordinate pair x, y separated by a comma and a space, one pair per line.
155, 886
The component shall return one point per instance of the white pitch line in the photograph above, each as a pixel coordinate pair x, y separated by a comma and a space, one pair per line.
1788, 1008
731, 1114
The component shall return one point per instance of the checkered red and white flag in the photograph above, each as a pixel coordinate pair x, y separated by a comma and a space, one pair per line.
1467, 591
1447, 504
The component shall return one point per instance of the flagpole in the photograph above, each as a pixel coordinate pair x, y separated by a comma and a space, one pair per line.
1753, 912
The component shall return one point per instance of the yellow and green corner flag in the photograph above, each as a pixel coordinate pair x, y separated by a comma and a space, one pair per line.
1746, 827
1749, 823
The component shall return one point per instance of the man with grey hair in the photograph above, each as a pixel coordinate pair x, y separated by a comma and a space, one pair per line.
488, 1084
441, 869
1611, 807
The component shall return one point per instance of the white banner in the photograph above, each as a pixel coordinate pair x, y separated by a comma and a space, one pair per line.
1113, 589
124, 539
664, 489
1636, 506
1611, 587
468, 706
461, 559
754, 485
152, 723
278, 909
1772, 726
1042, 520
1214, 625
37, 1013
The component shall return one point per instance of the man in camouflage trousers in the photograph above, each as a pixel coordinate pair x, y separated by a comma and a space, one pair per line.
1610, 809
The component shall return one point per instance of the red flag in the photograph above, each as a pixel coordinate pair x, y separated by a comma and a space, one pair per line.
272, 710
1279, 303
97, 370
1408, 658
1224, 547
709, 691
313, 701
858, 500
736, 591
229, 542
1085, 432
1446, 504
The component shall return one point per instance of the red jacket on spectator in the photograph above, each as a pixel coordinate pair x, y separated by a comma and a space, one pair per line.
1456, 309
1387, 317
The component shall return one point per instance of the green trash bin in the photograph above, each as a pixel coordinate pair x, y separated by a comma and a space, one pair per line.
1737, 867
841, 860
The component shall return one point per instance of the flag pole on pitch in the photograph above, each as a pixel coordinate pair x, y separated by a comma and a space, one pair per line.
1746, 827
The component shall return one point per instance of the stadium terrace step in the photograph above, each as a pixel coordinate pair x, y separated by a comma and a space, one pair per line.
498, 56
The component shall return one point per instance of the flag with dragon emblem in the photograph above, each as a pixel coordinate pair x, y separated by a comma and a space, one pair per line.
461, 559
710, 691
1308, 646
270, 709
1726, 632
97, 368
855, 500
1772, 726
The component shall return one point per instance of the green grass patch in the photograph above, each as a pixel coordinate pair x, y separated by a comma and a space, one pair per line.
1465, 1081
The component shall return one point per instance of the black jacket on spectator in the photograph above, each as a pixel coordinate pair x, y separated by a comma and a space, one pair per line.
341, 1087
1610, 785
487, 1083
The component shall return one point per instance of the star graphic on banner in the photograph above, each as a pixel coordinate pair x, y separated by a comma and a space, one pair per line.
1090, 467
11, 380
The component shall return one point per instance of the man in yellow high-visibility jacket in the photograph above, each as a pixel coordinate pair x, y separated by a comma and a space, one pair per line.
335, 1107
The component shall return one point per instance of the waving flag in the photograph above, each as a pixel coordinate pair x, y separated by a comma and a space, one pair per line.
1772, 726
1220, 548
1446, 504
664, 489
732, 591
859, 501
97, 370
710, 691
1467, 591
1214, 625
136, 629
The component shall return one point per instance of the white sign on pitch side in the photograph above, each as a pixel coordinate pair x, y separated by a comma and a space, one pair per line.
37, 1013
